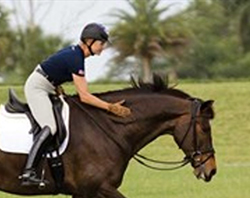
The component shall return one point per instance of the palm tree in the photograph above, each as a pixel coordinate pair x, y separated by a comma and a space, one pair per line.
245, 28
142, 34
240, 9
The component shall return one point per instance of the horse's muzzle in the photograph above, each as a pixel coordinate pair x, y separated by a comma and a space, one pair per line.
206, 170
204, 176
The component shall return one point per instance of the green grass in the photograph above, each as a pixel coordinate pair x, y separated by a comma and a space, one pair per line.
231, 135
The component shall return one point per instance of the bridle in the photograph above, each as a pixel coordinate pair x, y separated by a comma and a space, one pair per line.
192, 158
196, 152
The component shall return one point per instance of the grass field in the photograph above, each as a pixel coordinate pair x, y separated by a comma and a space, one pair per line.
231, 134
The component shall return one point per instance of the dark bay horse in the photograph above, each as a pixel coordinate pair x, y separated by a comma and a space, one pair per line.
101, 145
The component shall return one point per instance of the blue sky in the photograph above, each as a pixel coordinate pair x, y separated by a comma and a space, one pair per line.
68, 17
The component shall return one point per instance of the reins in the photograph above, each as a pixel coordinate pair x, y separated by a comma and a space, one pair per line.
196, 104
139, 158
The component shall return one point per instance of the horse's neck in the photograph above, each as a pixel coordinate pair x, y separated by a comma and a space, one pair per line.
152, 115
145, 133
158, 118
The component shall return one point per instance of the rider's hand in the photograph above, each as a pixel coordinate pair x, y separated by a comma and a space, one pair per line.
118, 109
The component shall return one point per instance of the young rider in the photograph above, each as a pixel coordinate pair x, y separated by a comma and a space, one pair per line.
66, 65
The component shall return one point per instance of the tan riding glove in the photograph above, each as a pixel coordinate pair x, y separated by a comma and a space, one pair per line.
118, 109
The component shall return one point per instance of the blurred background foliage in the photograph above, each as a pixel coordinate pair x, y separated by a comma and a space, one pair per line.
210, 39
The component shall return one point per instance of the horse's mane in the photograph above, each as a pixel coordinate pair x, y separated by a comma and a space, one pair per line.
159, 85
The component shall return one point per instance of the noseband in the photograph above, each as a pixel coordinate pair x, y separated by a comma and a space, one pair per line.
195, 156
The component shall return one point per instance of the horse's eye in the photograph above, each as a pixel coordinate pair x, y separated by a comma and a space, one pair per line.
206, 127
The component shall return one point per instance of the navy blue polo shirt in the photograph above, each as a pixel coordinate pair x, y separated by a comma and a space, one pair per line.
61, 65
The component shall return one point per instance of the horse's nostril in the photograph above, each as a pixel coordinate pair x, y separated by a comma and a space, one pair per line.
209, 177
213, 172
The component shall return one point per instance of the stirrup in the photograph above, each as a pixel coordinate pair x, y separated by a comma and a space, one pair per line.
30, 179
41, 183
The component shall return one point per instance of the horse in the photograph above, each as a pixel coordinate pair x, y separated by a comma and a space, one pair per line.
101, 144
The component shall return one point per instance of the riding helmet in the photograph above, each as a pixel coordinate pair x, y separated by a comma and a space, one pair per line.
95, 31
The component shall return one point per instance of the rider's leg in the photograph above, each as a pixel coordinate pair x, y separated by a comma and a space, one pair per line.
37, 150
37, 90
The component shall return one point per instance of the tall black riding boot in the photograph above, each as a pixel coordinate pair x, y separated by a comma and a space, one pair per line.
29, 176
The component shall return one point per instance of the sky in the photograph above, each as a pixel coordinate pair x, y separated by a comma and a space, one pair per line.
68, 17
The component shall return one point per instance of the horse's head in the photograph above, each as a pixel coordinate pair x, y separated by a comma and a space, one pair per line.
193, 135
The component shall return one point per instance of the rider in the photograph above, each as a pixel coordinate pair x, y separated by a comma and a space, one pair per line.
67, 64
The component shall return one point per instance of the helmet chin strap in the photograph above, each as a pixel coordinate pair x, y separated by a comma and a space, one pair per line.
89, 47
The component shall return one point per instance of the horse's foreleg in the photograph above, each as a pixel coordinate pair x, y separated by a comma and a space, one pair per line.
77, 196
103, 192
109, 192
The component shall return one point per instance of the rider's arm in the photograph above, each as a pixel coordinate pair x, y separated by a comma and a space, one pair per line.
85, 96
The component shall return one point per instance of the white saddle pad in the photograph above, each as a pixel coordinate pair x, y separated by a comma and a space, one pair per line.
15, 127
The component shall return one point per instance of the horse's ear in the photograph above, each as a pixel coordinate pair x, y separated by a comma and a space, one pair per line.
207, 108
159, 83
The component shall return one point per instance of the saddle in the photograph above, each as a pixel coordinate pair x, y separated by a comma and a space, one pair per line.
14, 105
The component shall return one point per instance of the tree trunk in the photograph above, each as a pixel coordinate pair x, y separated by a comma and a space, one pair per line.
245, 28
146, 70
31, 22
